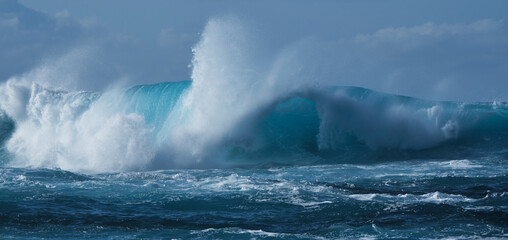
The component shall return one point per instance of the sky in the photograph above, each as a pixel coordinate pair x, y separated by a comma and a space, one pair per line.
443, 50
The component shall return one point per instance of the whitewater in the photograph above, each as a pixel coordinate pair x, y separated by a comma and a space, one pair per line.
254, 146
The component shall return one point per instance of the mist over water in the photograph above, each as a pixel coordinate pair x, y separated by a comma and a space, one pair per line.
232, 110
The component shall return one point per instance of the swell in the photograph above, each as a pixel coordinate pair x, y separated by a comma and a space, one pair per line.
352, 124
141, 128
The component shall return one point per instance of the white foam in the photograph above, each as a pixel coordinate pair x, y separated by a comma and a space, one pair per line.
434, 197
60, 129
461, 164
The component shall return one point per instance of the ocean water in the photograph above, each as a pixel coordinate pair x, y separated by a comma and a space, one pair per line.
254, 147
410, 199
323, 163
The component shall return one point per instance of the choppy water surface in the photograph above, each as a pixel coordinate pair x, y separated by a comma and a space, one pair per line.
424, 199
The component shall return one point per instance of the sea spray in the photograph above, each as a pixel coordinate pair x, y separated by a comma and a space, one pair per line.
243, 106
77, 131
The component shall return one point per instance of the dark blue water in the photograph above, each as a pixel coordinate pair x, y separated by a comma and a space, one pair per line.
408, 199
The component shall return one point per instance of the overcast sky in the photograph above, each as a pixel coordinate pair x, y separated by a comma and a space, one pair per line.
447, 50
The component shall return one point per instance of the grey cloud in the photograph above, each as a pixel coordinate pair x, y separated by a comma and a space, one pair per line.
439, 61
28, 35
431, 30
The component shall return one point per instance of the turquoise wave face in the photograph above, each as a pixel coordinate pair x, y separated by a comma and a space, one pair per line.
311, 125
154, 102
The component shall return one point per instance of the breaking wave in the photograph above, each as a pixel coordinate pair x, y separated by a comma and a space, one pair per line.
241, 107
152, 126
